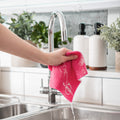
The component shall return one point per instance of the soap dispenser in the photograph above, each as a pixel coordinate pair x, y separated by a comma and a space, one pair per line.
81, 42
97, 50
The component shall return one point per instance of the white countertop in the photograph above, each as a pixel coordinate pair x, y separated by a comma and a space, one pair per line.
109, 73
26, 69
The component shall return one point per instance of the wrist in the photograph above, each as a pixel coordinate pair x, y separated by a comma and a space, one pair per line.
46, 58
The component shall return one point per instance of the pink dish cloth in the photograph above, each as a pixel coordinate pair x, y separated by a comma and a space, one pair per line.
65, 77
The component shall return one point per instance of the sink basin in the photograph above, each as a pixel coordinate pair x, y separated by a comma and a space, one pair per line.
18, 109
64, 112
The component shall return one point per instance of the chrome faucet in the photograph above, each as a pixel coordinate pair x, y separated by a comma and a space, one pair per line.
51, 92
51, 29
51, 95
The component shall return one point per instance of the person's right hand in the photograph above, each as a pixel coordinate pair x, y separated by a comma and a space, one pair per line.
58, 57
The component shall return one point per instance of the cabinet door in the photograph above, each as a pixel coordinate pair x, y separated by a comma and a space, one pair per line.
89, 91
12, 83
33, 83
111, 92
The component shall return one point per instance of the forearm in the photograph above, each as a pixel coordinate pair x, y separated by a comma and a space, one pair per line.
11, 43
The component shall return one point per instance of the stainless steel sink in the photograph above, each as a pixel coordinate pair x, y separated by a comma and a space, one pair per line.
64, 112
18, 109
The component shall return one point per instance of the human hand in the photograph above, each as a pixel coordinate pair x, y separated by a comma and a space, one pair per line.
58, 57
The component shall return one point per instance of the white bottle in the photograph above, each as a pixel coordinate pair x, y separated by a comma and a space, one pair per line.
81, 43
97, 51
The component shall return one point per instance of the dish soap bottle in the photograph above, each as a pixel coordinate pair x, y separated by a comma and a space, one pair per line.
97, 50
81, 42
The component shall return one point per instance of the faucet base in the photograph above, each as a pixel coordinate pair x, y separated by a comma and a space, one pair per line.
51, 99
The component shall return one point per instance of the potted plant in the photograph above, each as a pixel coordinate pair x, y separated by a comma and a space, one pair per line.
112, 36
2, 20
22, 25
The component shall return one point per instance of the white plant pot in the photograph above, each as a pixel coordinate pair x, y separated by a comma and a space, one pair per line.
21, 62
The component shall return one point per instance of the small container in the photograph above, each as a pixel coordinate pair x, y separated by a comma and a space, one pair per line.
97, 51
81, 43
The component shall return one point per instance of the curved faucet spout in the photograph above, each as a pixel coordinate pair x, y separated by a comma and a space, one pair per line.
51, 29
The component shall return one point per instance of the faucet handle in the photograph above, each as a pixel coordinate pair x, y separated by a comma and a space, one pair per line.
45, 90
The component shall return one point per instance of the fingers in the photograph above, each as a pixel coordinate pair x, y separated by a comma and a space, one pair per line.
68, 50
67, 58
65, 50
71, 57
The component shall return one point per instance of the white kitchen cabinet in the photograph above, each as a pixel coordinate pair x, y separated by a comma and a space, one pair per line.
12, 83
111, 92
33, 83
89, 91
98, 87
